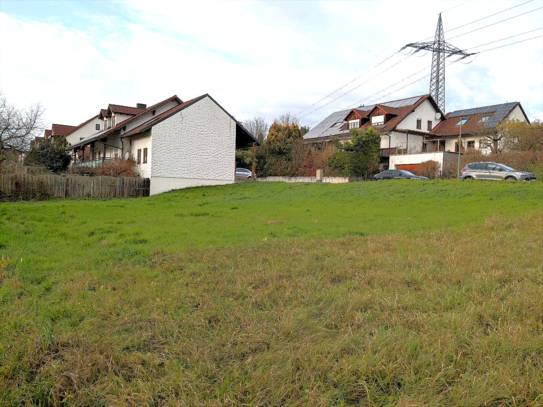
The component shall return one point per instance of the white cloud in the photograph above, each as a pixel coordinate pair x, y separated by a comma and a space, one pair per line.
260, 58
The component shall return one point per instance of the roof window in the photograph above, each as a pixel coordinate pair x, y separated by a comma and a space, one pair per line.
484, 119
462, 121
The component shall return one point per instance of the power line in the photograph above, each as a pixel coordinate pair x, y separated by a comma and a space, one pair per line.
492, 15
498, 22
458, 5
507, 45
427, 75
358, 77
506, 38
348, 83
355, 88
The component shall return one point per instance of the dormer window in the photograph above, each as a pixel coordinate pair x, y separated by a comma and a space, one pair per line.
484, 119
354, 124
378, 120
462, 121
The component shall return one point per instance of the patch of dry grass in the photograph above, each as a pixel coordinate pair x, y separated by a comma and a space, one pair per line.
452, 317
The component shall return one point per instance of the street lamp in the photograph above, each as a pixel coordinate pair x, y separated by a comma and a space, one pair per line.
459, 148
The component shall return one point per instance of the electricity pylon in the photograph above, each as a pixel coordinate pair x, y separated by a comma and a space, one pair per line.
440, 50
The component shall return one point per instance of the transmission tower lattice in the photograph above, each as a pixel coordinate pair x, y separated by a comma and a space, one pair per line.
440, 50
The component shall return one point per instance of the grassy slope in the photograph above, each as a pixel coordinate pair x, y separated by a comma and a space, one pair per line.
195, 296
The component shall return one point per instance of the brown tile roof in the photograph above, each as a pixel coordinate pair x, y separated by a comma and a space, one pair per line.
119, 126
124, 109
48, 134
36, 141
158, 118
62, 129
402, 113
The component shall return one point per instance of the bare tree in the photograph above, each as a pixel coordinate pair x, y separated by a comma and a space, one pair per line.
258, 128
286, 119
18, 126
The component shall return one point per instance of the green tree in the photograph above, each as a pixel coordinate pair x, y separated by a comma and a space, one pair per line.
359, 156
51, 155
282, 145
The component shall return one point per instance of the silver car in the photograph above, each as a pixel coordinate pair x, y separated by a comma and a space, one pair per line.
495, 172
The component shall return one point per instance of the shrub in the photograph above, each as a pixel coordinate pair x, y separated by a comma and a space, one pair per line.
51, 155
111, 168
428, 169
358, 157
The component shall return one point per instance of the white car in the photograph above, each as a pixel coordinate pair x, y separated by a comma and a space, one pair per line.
243, 173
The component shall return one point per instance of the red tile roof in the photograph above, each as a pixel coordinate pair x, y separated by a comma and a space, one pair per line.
47, 134
62, 129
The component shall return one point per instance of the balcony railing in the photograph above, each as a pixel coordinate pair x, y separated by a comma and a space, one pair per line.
92, 163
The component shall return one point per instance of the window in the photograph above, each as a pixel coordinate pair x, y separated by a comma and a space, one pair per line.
97, 126
429, 125
484, 119
99, 155
139, 156
337, 124
145, 156
471, 145
419, 124
462, 121
353, 124
378, 120
153, 112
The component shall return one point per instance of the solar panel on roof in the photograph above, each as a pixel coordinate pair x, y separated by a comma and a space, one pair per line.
403, 102
326, 127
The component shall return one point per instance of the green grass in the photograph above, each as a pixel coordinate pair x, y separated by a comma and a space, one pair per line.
272, 294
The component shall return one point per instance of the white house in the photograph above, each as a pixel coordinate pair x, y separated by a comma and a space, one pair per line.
404, 124
174, 143
473, 124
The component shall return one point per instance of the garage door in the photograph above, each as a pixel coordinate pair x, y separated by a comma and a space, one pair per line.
407, 167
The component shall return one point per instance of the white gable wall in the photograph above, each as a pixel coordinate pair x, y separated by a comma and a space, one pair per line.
85, 131
193, 147
424, 111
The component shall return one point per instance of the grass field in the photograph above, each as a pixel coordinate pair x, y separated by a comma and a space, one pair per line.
271, 294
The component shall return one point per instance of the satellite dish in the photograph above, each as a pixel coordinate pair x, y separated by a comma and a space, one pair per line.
438, 116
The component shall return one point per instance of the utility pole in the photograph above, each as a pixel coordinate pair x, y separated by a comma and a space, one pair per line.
459, 149
440, 50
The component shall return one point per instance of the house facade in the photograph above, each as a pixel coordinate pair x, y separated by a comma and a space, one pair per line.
414, 130
174, 143
404, 125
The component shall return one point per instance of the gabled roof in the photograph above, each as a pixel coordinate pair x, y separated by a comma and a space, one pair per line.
124, 109
86, 122
243, 137
160, 117
119, 126
62, 129
494, 115
48, 134
401, 108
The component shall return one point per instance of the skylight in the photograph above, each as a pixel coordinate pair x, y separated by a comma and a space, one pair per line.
484, 119
462, 121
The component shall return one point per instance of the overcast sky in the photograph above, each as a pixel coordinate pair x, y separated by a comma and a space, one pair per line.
259, 58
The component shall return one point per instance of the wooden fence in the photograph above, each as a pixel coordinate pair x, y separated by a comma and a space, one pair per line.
27, 187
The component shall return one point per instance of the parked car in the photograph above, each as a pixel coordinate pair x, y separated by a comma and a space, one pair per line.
243, 173
495, 172
396, 174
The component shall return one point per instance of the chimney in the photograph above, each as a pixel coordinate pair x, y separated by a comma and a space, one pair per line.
141, 106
